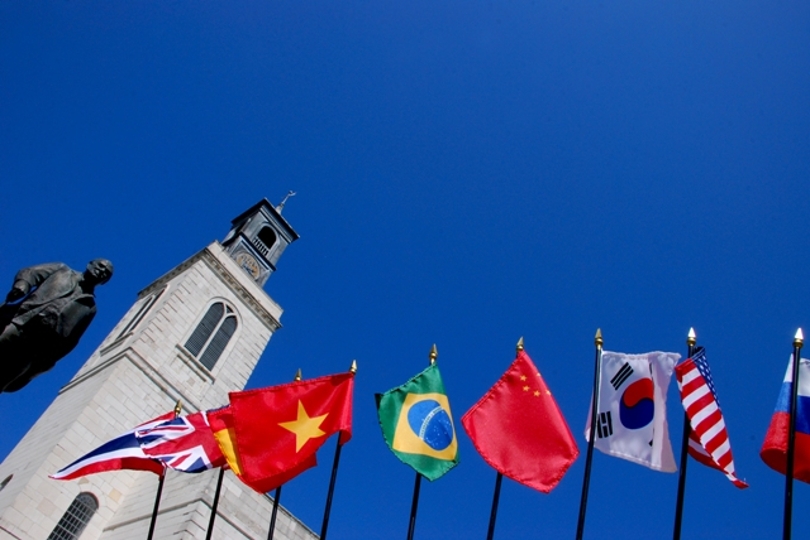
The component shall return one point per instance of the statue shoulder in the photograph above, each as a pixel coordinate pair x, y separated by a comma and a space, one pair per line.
34, 275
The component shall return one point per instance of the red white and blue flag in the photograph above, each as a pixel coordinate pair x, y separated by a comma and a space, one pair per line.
708, 438
185, 443
774, 449
122, 452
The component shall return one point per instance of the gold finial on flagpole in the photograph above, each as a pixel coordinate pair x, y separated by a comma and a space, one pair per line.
178, 407
434, 354
353, 368
519, 346
297, 375
798, 339
691, 338
597, 339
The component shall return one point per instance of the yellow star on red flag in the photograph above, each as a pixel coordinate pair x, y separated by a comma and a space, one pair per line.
305, 427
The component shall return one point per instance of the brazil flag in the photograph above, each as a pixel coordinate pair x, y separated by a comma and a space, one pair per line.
418, 426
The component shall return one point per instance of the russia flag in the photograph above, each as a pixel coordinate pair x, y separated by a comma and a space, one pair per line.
774, 449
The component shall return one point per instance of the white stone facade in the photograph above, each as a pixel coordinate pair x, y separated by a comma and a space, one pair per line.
137, 373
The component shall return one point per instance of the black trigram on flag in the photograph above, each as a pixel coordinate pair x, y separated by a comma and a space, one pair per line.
621, 376
604, 425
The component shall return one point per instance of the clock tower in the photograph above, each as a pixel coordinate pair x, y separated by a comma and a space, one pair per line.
257, 239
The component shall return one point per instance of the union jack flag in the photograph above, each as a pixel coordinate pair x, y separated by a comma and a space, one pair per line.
185, 443
708, 438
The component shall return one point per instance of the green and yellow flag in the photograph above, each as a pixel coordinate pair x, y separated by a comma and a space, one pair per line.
417, 424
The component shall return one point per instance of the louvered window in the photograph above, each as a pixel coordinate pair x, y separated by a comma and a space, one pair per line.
76, 517
212, 335
145, 307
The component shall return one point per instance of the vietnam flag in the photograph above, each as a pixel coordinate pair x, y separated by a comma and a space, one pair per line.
519, 430
221, 421
275, 431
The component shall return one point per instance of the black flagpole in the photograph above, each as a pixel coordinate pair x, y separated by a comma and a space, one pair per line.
597, 375
798, 340
276, 499
215, 504
157, 505
414, 506
494, 513
177, 408
434, 354
328, 508
691, 340
333, 479
496, 496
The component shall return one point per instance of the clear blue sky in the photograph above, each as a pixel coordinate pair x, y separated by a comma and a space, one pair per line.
467, 173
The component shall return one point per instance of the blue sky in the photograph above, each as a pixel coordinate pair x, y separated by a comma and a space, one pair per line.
467, 173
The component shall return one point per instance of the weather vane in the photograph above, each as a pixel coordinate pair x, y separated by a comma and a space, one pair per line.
280, 206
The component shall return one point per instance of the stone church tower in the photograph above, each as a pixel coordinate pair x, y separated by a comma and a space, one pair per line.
193, 335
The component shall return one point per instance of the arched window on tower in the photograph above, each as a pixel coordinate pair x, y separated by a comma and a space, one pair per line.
265, 240
212, 335
76, 517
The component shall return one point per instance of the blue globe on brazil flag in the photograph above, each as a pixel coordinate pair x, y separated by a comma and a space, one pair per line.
431, 423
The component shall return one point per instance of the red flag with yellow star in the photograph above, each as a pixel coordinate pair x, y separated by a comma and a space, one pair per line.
278, 429
519, 430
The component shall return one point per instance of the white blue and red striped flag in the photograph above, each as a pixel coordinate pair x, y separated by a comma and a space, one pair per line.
184, 444
774, 449
122, 452
708, 438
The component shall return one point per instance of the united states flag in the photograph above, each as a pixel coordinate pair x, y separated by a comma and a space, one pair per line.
708, 439
185, 443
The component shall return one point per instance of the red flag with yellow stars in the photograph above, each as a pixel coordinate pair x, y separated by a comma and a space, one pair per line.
278, 429
519, 430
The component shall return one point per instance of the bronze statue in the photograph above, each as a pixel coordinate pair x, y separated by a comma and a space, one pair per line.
46, 312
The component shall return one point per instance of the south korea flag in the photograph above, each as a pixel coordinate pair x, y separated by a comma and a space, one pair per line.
631, 419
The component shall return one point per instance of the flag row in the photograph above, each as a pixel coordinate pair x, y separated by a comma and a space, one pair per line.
268, 436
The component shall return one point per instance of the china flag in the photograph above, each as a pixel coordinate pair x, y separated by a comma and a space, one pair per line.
278, 429
519, 430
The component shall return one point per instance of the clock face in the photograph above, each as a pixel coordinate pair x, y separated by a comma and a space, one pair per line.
249, 263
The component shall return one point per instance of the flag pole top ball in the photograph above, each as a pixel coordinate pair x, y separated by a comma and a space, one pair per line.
353, 368
297, 375
798, 340
598, 338
691, 338
434, 354
520, 344
178, 407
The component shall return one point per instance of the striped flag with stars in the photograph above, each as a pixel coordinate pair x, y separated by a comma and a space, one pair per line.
708, 439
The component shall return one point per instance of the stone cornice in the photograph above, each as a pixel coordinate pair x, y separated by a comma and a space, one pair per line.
210, 259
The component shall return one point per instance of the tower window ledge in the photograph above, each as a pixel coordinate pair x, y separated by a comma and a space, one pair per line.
195, 365
107, 348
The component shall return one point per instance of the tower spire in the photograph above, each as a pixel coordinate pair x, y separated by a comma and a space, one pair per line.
280, 206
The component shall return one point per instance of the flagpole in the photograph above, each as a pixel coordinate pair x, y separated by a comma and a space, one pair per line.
434, 354
691, 341
798, 341
494, 513
597, 375
177, 408
272, 529
496, 496
414, 506
215, 504
335, 463
276, 499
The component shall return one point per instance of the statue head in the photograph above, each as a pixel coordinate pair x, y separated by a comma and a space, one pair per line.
99, 271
